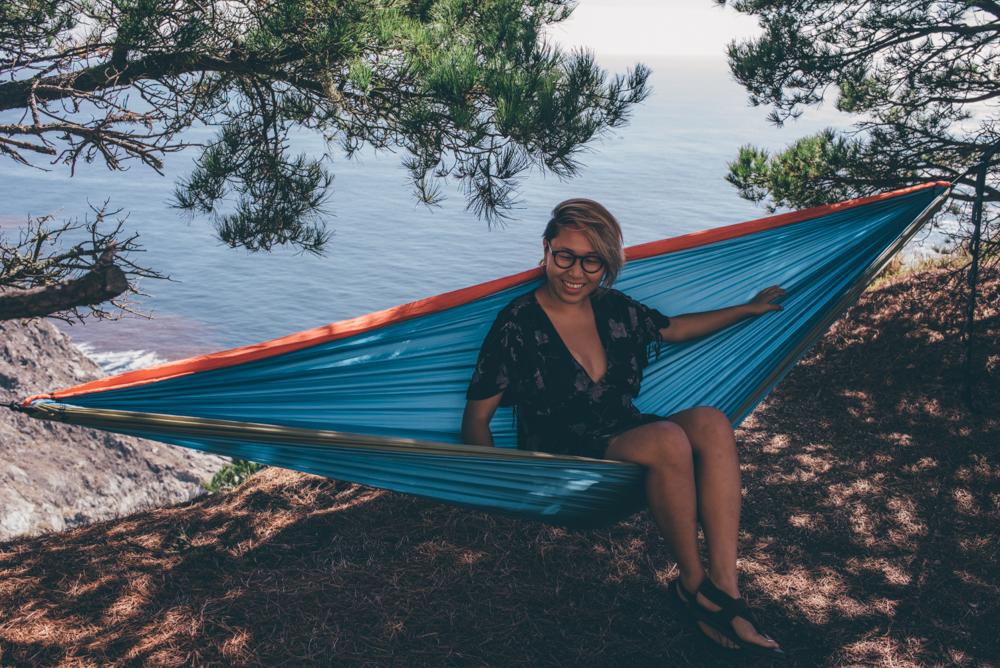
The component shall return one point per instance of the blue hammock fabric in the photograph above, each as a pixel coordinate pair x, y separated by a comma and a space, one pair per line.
384, 407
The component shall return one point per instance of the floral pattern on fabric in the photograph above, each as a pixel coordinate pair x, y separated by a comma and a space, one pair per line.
560, 409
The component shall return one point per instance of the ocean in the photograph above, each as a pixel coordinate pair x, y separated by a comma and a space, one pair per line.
661, 176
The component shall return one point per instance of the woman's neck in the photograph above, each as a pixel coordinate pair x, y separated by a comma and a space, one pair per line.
553, 305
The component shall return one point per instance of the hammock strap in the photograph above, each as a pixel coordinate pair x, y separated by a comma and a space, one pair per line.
973, 276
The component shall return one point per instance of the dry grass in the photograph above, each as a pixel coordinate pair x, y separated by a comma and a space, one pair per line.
872, 501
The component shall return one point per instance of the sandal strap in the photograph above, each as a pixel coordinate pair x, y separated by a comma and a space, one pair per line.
731, 607
689, 598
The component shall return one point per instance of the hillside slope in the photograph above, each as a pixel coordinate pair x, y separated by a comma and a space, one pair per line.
872, 500
54, 476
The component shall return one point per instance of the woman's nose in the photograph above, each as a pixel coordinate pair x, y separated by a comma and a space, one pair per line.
576, 271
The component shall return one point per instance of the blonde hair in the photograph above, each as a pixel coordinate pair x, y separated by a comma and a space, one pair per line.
600, 227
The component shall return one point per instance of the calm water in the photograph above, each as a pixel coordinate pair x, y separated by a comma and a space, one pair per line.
662, 176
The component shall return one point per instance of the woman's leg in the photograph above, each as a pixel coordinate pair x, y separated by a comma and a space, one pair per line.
694, 470
664, 449
717, 471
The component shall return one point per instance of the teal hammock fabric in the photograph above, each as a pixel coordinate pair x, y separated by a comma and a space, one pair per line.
383, 407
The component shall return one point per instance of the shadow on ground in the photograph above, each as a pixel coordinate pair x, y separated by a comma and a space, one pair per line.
871, 508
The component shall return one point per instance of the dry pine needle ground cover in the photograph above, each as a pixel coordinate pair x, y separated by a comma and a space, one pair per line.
871, 511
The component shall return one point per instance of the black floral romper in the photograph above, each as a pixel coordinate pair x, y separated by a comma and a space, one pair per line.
558, 407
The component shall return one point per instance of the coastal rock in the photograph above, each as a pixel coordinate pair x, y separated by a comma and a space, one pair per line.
55, 476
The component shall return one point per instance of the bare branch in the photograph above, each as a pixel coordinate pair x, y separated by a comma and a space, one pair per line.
105, 282
47, 150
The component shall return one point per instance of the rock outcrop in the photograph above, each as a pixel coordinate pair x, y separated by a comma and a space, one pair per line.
54, 476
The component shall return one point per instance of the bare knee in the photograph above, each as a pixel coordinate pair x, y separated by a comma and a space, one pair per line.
703, 417
708, 429
653, 445
668, 445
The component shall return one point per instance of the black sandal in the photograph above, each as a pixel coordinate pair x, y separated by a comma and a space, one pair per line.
721, 620
687, 601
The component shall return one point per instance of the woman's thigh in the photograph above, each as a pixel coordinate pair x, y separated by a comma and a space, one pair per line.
651, 444
698, 430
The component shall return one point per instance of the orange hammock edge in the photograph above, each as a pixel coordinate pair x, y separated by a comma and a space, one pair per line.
438, 303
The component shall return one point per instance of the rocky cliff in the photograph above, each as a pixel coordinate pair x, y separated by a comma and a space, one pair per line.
54, 476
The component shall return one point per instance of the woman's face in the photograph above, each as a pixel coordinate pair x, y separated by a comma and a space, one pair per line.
571, 285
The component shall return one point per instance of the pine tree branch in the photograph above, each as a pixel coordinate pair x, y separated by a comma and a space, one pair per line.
104, 76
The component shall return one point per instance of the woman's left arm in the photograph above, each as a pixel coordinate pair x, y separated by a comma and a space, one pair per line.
695, 325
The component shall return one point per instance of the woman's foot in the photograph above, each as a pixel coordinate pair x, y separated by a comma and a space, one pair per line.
685, 595
711, 624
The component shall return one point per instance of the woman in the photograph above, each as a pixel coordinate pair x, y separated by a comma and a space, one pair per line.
569, 357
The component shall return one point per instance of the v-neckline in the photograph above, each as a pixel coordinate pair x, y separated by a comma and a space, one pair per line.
600, 335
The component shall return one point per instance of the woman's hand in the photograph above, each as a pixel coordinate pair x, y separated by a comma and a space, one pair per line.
761, 304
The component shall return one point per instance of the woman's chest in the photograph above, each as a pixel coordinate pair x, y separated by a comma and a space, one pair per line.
553, 375
581, 340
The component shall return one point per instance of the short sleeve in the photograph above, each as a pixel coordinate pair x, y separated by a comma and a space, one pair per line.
494, 372
648, 323
642, 324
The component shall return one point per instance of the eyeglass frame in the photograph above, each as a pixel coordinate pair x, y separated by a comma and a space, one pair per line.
576, 257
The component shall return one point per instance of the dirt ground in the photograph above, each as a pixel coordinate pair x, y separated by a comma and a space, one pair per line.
871, 508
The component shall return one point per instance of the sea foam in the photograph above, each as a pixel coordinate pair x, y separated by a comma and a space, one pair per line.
116, 362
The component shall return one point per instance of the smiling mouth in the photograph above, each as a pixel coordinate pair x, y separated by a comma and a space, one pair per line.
573, 286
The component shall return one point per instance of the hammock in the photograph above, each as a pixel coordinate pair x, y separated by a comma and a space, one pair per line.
378, 400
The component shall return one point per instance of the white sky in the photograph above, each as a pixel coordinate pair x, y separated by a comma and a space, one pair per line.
654, 27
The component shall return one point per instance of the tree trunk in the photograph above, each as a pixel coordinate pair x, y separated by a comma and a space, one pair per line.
104, 282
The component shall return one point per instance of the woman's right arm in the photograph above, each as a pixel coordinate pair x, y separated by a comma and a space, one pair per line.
476, 420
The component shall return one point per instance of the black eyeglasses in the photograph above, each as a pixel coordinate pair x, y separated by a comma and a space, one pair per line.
564, 260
